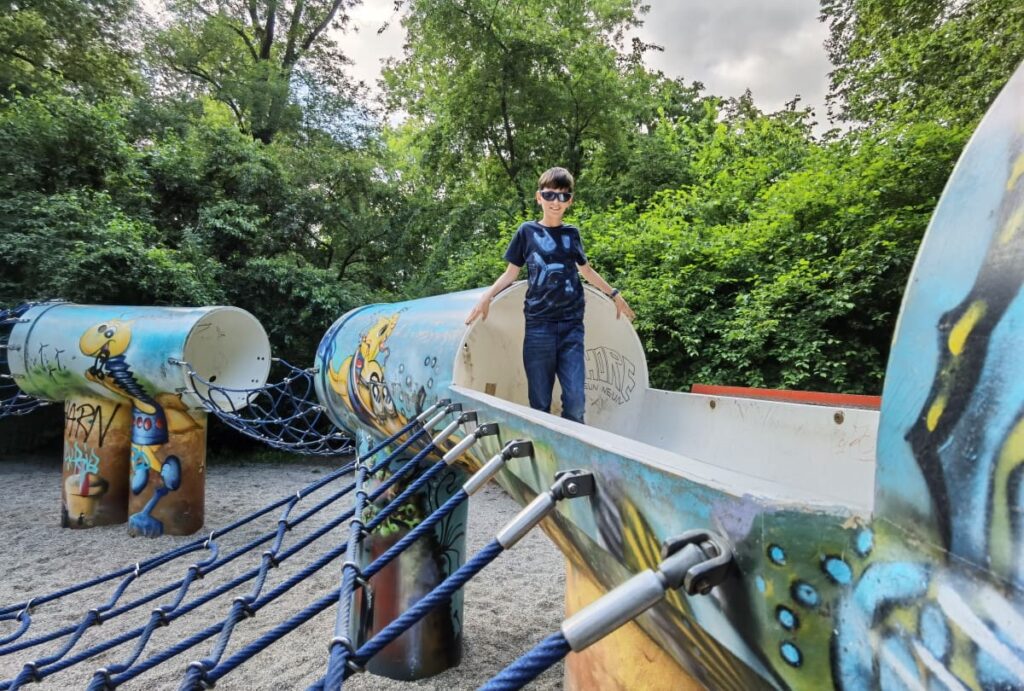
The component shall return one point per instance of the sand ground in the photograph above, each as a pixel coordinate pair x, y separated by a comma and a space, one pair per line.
510, 606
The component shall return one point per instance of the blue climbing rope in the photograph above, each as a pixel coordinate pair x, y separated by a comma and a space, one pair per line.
198, 673
531, 665
11, 611
43, 667
310, 611
339, 670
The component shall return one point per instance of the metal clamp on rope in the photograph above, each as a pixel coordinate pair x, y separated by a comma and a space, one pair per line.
346, 643
27, 609
104, 674
697, 558
452, 426
568, 485
162, 619
517, 448
485, 430
430, 411
201, 673
246, 608
33, 671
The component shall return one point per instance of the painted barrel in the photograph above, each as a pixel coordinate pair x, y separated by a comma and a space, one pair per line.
380, 365
135, 433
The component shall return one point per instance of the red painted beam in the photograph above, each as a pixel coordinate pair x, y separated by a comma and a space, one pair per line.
836, 400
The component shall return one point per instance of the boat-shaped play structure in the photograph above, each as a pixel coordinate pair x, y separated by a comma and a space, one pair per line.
711, 540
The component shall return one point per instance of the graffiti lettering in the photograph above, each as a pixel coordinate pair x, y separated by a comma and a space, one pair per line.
81, 459
51, 367
80, 419
611, 373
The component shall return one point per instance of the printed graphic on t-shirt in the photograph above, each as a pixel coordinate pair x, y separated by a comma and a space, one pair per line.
551, 256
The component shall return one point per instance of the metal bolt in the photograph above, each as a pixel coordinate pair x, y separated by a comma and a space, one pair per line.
572, 489
839, 417
712, 404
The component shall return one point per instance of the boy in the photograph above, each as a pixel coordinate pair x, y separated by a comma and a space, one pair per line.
553, 252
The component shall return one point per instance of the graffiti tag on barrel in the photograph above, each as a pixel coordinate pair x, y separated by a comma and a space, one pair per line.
610, 374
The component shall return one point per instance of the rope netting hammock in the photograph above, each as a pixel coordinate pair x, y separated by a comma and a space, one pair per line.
284, 415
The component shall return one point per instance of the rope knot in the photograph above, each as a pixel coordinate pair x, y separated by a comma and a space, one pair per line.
245, 607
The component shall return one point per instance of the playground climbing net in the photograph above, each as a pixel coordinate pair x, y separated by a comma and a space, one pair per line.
180, 596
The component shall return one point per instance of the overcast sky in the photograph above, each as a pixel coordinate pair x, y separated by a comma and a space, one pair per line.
773, 47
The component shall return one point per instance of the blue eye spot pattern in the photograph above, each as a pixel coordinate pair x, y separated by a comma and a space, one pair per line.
805, 594
787, 618
865, 542
837, 570
759, 582
776, 554
791, 654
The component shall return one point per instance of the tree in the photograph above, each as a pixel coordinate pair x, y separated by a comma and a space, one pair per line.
911, 60
70, 45
499, 92
263, 58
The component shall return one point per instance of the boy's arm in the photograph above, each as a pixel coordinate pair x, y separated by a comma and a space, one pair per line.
504, 281
594, 279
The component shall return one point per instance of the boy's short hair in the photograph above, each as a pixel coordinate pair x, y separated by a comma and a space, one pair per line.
556, 179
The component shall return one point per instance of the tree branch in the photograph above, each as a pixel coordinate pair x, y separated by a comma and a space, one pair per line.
293, 32
268, 35
319, 28
231, 25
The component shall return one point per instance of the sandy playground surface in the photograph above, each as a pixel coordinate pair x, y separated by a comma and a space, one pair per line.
510, 606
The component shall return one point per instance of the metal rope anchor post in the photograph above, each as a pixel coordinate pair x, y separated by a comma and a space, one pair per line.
696, 561
428, 490
569, 485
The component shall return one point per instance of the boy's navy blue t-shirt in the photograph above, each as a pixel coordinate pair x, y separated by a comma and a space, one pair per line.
551, 256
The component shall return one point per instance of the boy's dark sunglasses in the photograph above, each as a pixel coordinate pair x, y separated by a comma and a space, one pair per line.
549, 196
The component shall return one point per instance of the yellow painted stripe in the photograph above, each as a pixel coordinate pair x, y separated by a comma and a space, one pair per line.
1013, 226
1010, 456
935, 412
964, 325
1016, 173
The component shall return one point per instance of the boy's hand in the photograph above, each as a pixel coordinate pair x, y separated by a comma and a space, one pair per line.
479, 310
622, 307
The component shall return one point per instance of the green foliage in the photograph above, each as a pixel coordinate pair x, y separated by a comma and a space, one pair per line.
915, 60
799, 285
72, 46
252, 57
239, 167
497, 91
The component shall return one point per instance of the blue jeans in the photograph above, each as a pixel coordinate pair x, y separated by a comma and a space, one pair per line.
551, 348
